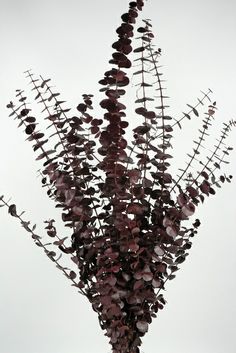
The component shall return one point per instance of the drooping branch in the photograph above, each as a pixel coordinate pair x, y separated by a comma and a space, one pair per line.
52, 255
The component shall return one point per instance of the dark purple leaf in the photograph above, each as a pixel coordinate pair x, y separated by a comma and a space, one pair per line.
12, 210
182, 199
51, 254
30, 129
192, 191
205, 187
159, 251
142, 326
142, 30
188, 209
141, 110
205, 175
156, 283
82, 107
141, 129
30, 119
72, 275
24, 112
138, 50
172, 231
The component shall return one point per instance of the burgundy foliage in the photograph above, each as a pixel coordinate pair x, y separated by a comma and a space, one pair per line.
126, 210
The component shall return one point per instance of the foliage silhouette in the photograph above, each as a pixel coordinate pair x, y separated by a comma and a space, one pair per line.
128, 214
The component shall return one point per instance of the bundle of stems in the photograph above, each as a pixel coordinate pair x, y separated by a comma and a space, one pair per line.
128, 214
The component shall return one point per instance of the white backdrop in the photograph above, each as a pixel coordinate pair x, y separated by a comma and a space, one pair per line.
71, 43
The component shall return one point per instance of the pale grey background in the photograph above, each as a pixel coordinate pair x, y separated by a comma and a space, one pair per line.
70, 42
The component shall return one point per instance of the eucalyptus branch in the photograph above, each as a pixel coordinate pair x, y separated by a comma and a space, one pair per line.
203, 133
224, 133
127, 211
71, 275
